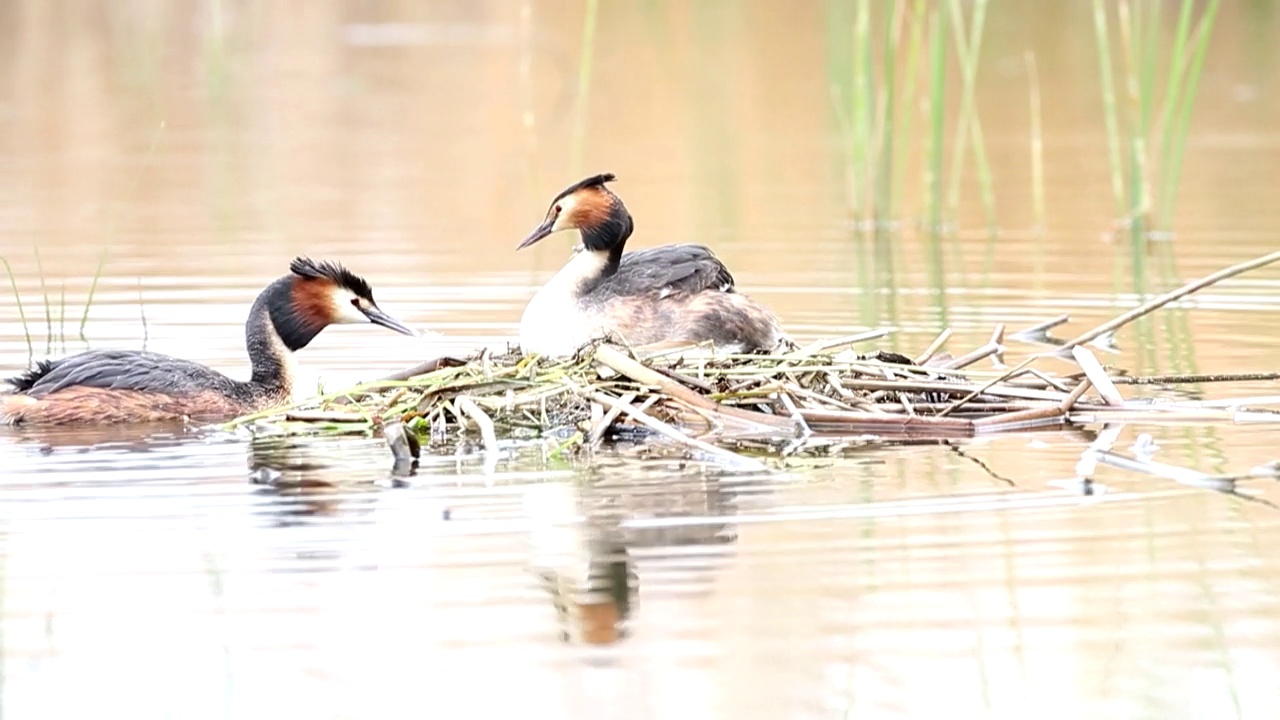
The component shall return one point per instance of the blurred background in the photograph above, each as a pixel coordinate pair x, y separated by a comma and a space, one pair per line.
916, 165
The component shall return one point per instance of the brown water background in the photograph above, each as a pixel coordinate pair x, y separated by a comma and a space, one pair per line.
191, 149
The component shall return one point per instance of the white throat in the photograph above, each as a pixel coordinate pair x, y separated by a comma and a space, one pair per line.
555, 322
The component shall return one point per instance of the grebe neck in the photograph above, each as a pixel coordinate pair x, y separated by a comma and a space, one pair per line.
608, 238
273, 332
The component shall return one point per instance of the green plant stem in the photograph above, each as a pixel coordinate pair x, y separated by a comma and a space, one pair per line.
1109, 100
1177, 139
1037, 146
22, 313
584, 82
937, 107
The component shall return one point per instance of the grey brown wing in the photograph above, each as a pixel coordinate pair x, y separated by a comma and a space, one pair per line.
671, 270
119, 370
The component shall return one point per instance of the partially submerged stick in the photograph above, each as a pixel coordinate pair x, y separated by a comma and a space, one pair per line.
615, 359
468, 407
669, 432
1159, 302
1098, 376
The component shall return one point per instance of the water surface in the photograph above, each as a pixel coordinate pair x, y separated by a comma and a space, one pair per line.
192, 150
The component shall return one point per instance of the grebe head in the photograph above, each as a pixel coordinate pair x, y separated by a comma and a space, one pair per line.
319, 294
593, 209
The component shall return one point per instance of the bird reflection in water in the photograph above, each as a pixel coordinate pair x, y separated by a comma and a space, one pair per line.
584, 539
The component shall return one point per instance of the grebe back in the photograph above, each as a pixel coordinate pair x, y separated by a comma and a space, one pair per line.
669, 296
125, 386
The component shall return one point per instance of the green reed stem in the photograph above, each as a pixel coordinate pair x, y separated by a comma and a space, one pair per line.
1109, 101
93, 288
142, 311
888, 103
969, 125
1148, 57
937, 102
22, 313
908, 95
48, 308
62, 316
861, 110
1037, 144
1139, 202
1175, 140
584, 82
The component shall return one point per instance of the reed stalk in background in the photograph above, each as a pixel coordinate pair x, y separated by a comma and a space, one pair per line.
1037, 146
22, 313
93, 288
968, 125
1146, 135
875, 105
584, 84
48, 309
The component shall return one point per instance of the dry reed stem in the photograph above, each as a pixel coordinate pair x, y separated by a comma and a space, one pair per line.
602, 426
1174, 295
670, 432
466, 406
934, 347
616, 360
1098, 376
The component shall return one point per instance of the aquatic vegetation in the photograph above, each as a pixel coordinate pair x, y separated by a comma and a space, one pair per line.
875, 106
53, 339
1147, 135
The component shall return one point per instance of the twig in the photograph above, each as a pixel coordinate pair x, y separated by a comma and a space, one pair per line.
934, 346
607, 419
1159, 302
467, 406
1020, 418
785, 397
432, 365
669, 432
840, 421
990, 384
1098, 376
965, 360
1040, 329
818, 346
1070, 401
1195, 379
614, 358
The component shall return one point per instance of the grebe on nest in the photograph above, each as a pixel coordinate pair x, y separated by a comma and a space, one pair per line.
664, 297
128, 386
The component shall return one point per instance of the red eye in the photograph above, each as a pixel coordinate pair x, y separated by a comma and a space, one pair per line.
556, 209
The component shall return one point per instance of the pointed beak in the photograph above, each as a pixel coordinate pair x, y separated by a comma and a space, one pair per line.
540, 232
377, 317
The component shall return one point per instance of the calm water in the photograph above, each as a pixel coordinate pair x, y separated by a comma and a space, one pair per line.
193, 148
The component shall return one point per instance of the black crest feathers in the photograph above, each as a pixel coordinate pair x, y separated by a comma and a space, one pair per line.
308, 268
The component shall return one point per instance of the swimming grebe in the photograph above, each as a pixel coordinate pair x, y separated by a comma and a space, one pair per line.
124, 386
663, 297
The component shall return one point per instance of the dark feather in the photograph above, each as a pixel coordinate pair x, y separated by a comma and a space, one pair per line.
671, 270
593, 181
308, 268
121, 370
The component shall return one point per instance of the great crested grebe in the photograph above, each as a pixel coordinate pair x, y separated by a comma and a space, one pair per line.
663, 297
129, 386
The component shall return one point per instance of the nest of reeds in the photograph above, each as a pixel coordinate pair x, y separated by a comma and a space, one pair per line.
821, 389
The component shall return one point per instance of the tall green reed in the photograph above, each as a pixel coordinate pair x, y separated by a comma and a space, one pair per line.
889, 67
22, 313
585, 64
1146, 134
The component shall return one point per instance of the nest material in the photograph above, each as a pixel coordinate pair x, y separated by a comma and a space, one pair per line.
792, 394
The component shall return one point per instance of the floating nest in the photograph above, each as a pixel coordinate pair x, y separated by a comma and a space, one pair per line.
790, 397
